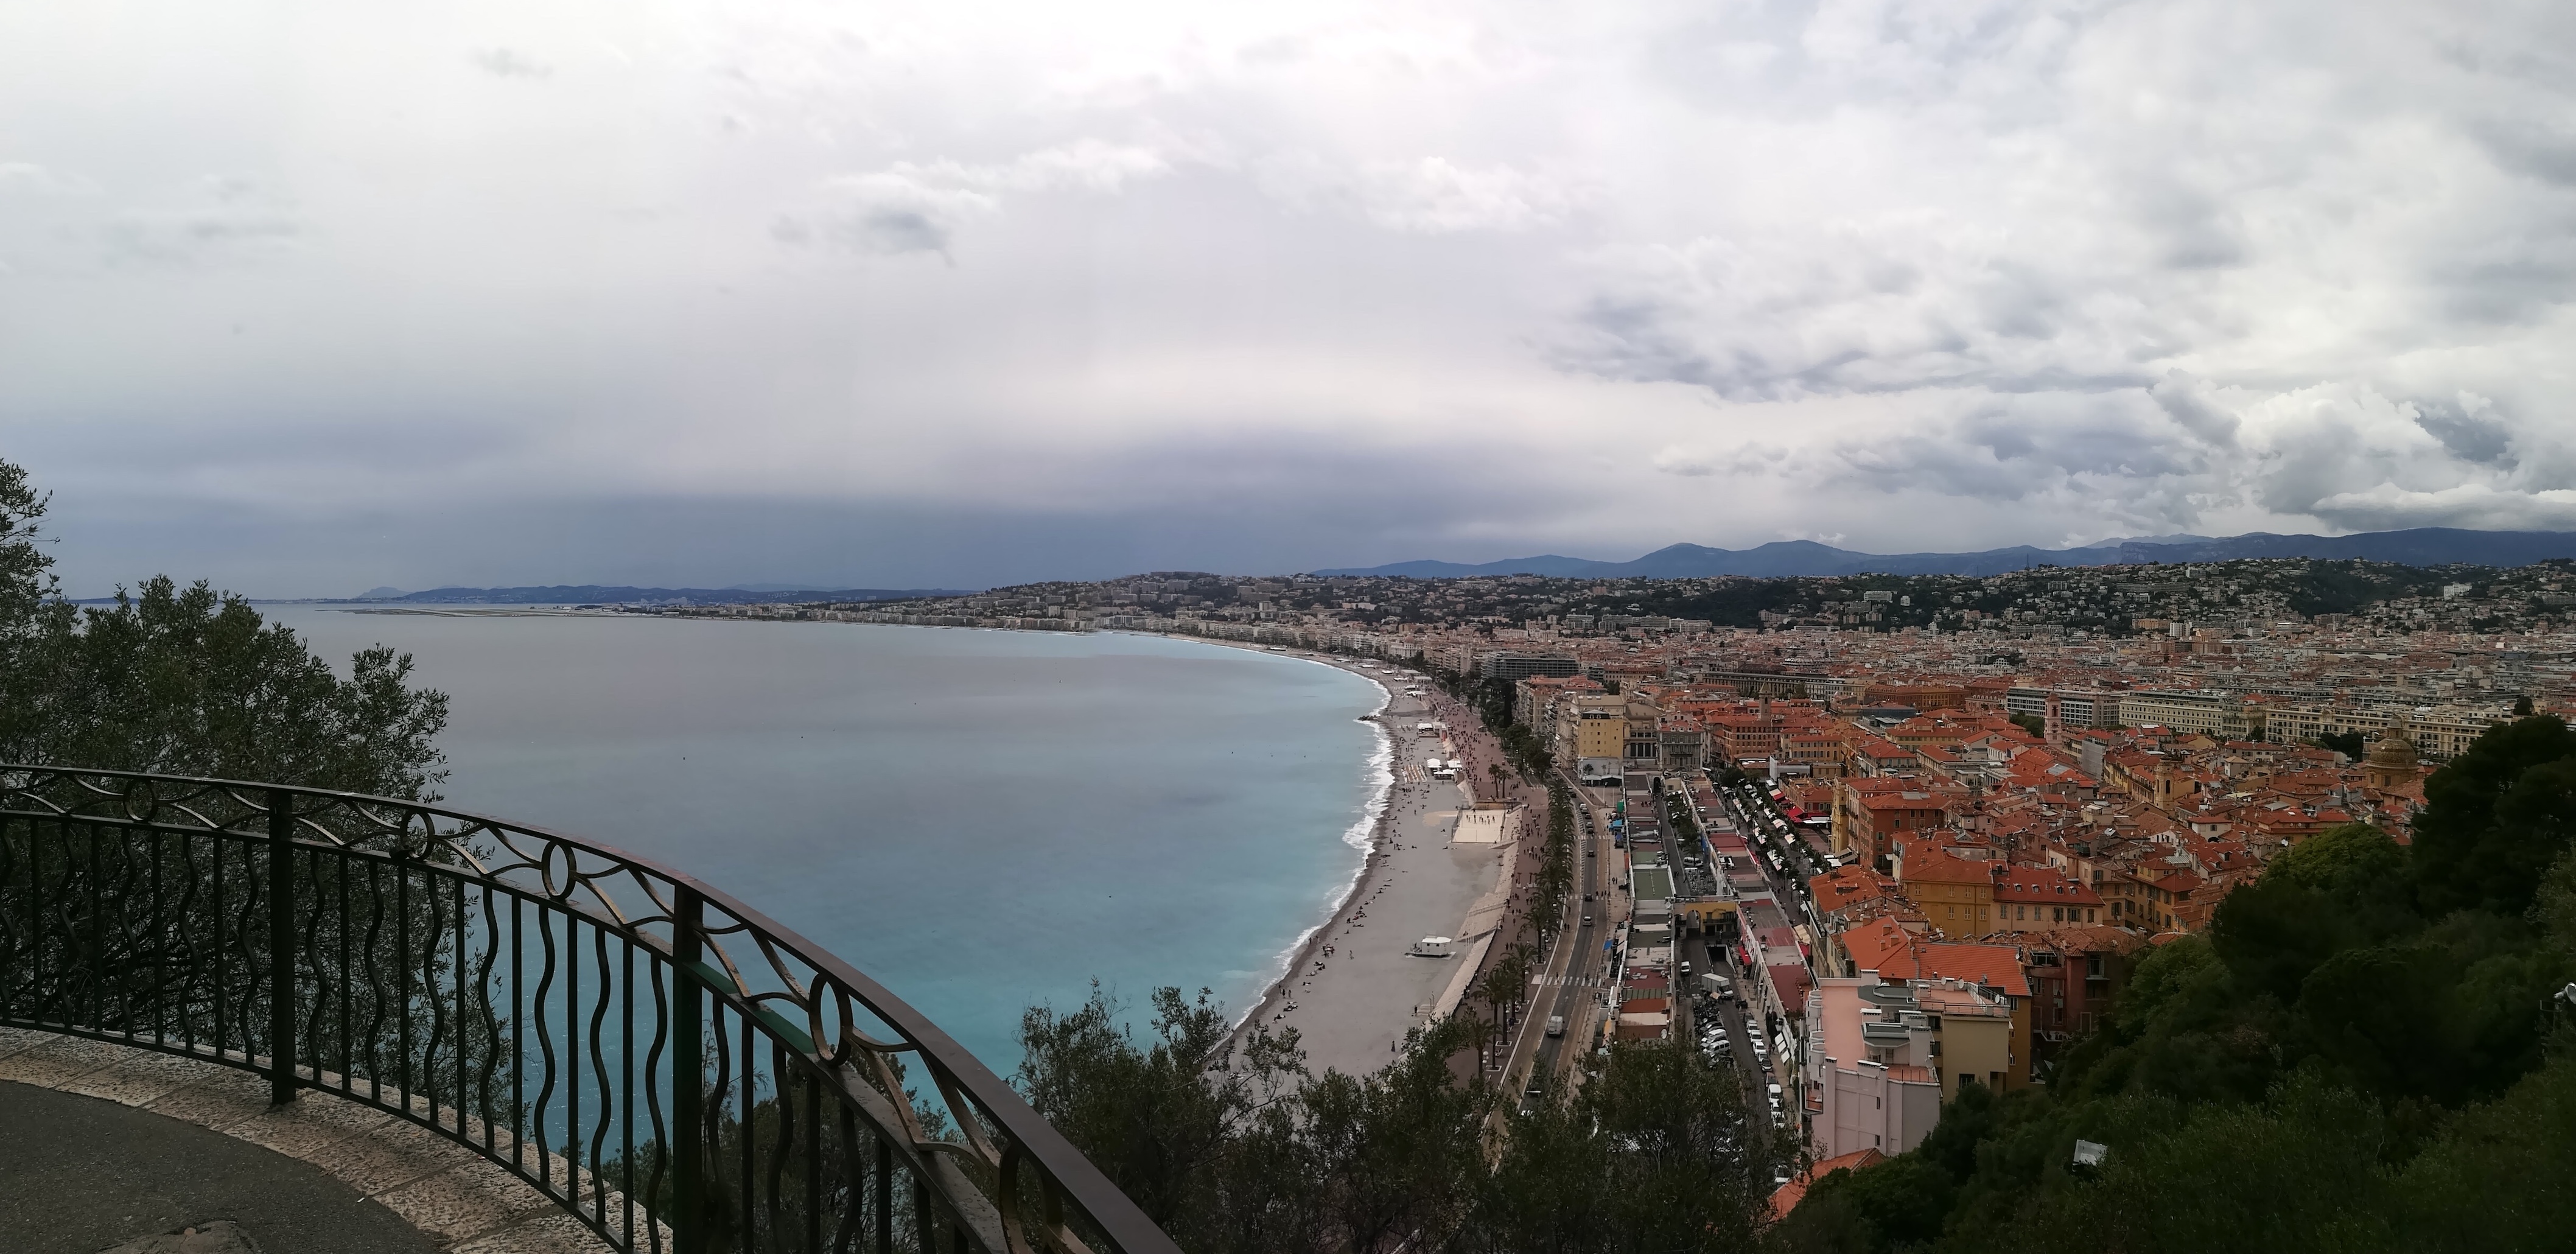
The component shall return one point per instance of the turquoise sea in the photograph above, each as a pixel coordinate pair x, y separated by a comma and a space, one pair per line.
980, 819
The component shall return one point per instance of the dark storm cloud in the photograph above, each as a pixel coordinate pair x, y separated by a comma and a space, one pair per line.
2478, 438
2014, 451
1275, 509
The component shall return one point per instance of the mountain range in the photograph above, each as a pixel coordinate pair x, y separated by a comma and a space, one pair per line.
598, 594
2415, 546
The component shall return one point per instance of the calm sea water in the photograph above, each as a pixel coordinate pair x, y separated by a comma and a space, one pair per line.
980, 819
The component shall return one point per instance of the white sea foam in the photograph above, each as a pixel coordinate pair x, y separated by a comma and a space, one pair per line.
1379, 774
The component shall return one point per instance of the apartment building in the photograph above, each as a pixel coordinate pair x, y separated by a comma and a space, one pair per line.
2078, 709
1519, 666
2440, 734
1592, 733
2223, 715
1882, 1057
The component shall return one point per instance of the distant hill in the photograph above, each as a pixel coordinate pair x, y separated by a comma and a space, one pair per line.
598, 594
2417, 546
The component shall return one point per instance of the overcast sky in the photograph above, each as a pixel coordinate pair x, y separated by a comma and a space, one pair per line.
308, 299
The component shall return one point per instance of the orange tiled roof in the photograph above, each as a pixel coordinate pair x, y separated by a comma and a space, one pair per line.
1994, 966
1785, 1198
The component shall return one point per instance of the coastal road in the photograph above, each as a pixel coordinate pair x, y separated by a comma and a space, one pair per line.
1572, 982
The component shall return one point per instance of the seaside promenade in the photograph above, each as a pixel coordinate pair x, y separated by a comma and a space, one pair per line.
1356, 988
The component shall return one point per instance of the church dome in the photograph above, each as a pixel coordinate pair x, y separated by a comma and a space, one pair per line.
2394, 751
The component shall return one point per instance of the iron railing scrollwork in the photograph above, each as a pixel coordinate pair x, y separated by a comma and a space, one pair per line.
665, 1062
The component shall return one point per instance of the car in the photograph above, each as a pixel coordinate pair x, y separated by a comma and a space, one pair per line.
1775, 1094
1587, 920
1556, 1027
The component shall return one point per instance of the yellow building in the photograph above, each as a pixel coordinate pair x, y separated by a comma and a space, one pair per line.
1955, 895
1592, 733
1976, 1034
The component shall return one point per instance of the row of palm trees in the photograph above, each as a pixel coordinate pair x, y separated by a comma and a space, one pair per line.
1505, 985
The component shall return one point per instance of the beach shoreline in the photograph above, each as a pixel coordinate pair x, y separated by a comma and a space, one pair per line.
1371, 828
1300, 953
1354, 999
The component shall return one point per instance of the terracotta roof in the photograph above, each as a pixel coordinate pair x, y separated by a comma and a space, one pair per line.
1873, 943
1785, 1198
2042, 885
1934, 867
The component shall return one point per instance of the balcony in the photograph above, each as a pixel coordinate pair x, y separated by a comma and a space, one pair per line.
664, 1064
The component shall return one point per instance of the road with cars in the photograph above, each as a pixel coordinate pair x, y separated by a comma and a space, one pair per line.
1572, 982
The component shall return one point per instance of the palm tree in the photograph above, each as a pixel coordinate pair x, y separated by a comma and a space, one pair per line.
1499, 989
1482, 1033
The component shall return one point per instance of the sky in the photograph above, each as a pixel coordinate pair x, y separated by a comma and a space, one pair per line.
307, 299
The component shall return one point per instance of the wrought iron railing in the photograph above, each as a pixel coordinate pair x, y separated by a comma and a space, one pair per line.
658, 1058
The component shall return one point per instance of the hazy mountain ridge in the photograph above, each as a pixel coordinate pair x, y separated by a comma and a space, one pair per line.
2417, 546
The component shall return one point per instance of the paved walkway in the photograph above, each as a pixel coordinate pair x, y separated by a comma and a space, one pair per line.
80, 1174
102, 1145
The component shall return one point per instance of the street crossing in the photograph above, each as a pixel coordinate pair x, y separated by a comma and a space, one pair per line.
1567, 981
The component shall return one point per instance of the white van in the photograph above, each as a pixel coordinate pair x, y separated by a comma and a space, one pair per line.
1556, 1027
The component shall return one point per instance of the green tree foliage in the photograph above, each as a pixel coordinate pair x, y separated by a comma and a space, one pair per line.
2369, 1050
2491, 821
1236, 1147
1555, 881
2342, 888
192, 682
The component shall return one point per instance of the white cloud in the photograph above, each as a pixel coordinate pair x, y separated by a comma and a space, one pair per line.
216, 218
1427, 195
505, 63
919, 208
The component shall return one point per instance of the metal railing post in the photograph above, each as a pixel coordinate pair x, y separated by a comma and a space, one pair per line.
688, 1075
281, 946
